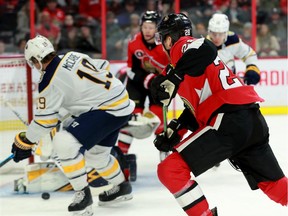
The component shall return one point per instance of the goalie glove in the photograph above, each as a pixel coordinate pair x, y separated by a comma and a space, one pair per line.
164, 88
166, 141
252, 75
22, 147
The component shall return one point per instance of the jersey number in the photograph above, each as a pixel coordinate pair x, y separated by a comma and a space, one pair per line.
225, 77
88, 76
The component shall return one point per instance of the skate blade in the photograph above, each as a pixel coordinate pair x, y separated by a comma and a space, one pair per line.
88, 211
117, 200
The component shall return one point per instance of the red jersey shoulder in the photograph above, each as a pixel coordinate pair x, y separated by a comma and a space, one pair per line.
136, 41
179, 48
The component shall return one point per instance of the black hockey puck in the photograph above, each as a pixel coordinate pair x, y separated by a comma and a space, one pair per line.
45, 196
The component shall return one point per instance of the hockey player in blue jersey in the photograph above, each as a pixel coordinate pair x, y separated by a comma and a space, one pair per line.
230, 46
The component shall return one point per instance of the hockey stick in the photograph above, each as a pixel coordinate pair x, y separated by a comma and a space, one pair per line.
10, 157
16, 113
162, 154
54, 157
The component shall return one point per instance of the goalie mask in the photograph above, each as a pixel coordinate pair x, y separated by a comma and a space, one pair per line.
36, 50
218, 28
174, 25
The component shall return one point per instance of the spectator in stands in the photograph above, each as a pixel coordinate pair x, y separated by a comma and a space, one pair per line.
278, 27
91, 9
23, 21
246, 34
57, 15
134, 24
116, 6
47, 29
266, 43
68, 38
151, 5
200, 30
8, 20
2, 47
283, 6
237, 16
21, 46
123, 18
130, 33
86, 42
114, 38
221, 5
166, 7
69, 6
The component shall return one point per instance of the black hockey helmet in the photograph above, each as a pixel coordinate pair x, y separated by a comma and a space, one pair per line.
174, 25
150, 16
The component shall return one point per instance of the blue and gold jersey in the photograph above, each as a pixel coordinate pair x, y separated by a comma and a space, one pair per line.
78, 84
233, 48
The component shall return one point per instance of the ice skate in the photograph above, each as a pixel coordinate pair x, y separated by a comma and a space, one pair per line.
117, 194
82, 203
214, 211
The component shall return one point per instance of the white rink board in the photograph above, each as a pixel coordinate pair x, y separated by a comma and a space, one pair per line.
273, 86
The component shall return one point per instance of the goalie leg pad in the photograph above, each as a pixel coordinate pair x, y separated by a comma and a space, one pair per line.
41, 177
142, 126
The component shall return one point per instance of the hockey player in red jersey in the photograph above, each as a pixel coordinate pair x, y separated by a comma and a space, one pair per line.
145, 61
223, 114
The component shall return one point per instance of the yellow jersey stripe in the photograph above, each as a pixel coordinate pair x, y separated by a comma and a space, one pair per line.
110, 171
47, 122
74, 167
116, 103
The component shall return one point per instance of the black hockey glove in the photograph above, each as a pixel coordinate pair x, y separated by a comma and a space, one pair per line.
164, 88
252, 75
22, 147
166, 141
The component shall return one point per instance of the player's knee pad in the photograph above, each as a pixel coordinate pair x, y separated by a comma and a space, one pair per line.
98, 156
66, 145
173, 172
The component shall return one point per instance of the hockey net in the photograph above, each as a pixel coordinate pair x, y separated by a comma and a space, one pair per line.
13, 96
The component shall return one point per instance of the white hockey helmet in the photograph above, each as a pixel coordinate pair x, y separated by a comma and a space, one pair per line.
38, 48
218, 23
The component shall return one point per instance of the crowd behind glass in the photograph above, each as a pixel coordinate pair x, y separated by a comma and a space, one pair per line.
76, 24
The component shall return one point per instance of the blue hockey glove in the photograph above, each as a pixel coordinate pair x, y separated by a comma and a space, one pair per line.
252, 75
22, 147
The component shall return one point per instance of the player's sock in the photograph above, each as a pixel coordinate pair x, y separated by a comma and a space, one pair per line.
124, 142
131, 167
121, 192
277, 190
82, 202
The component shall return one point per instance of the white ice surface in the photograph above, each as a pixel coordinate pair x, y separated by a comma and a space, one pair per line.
224, 187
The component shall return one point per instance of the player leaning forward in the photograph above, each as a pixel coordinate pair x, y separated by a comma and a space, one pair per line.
228, 122
101, 106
